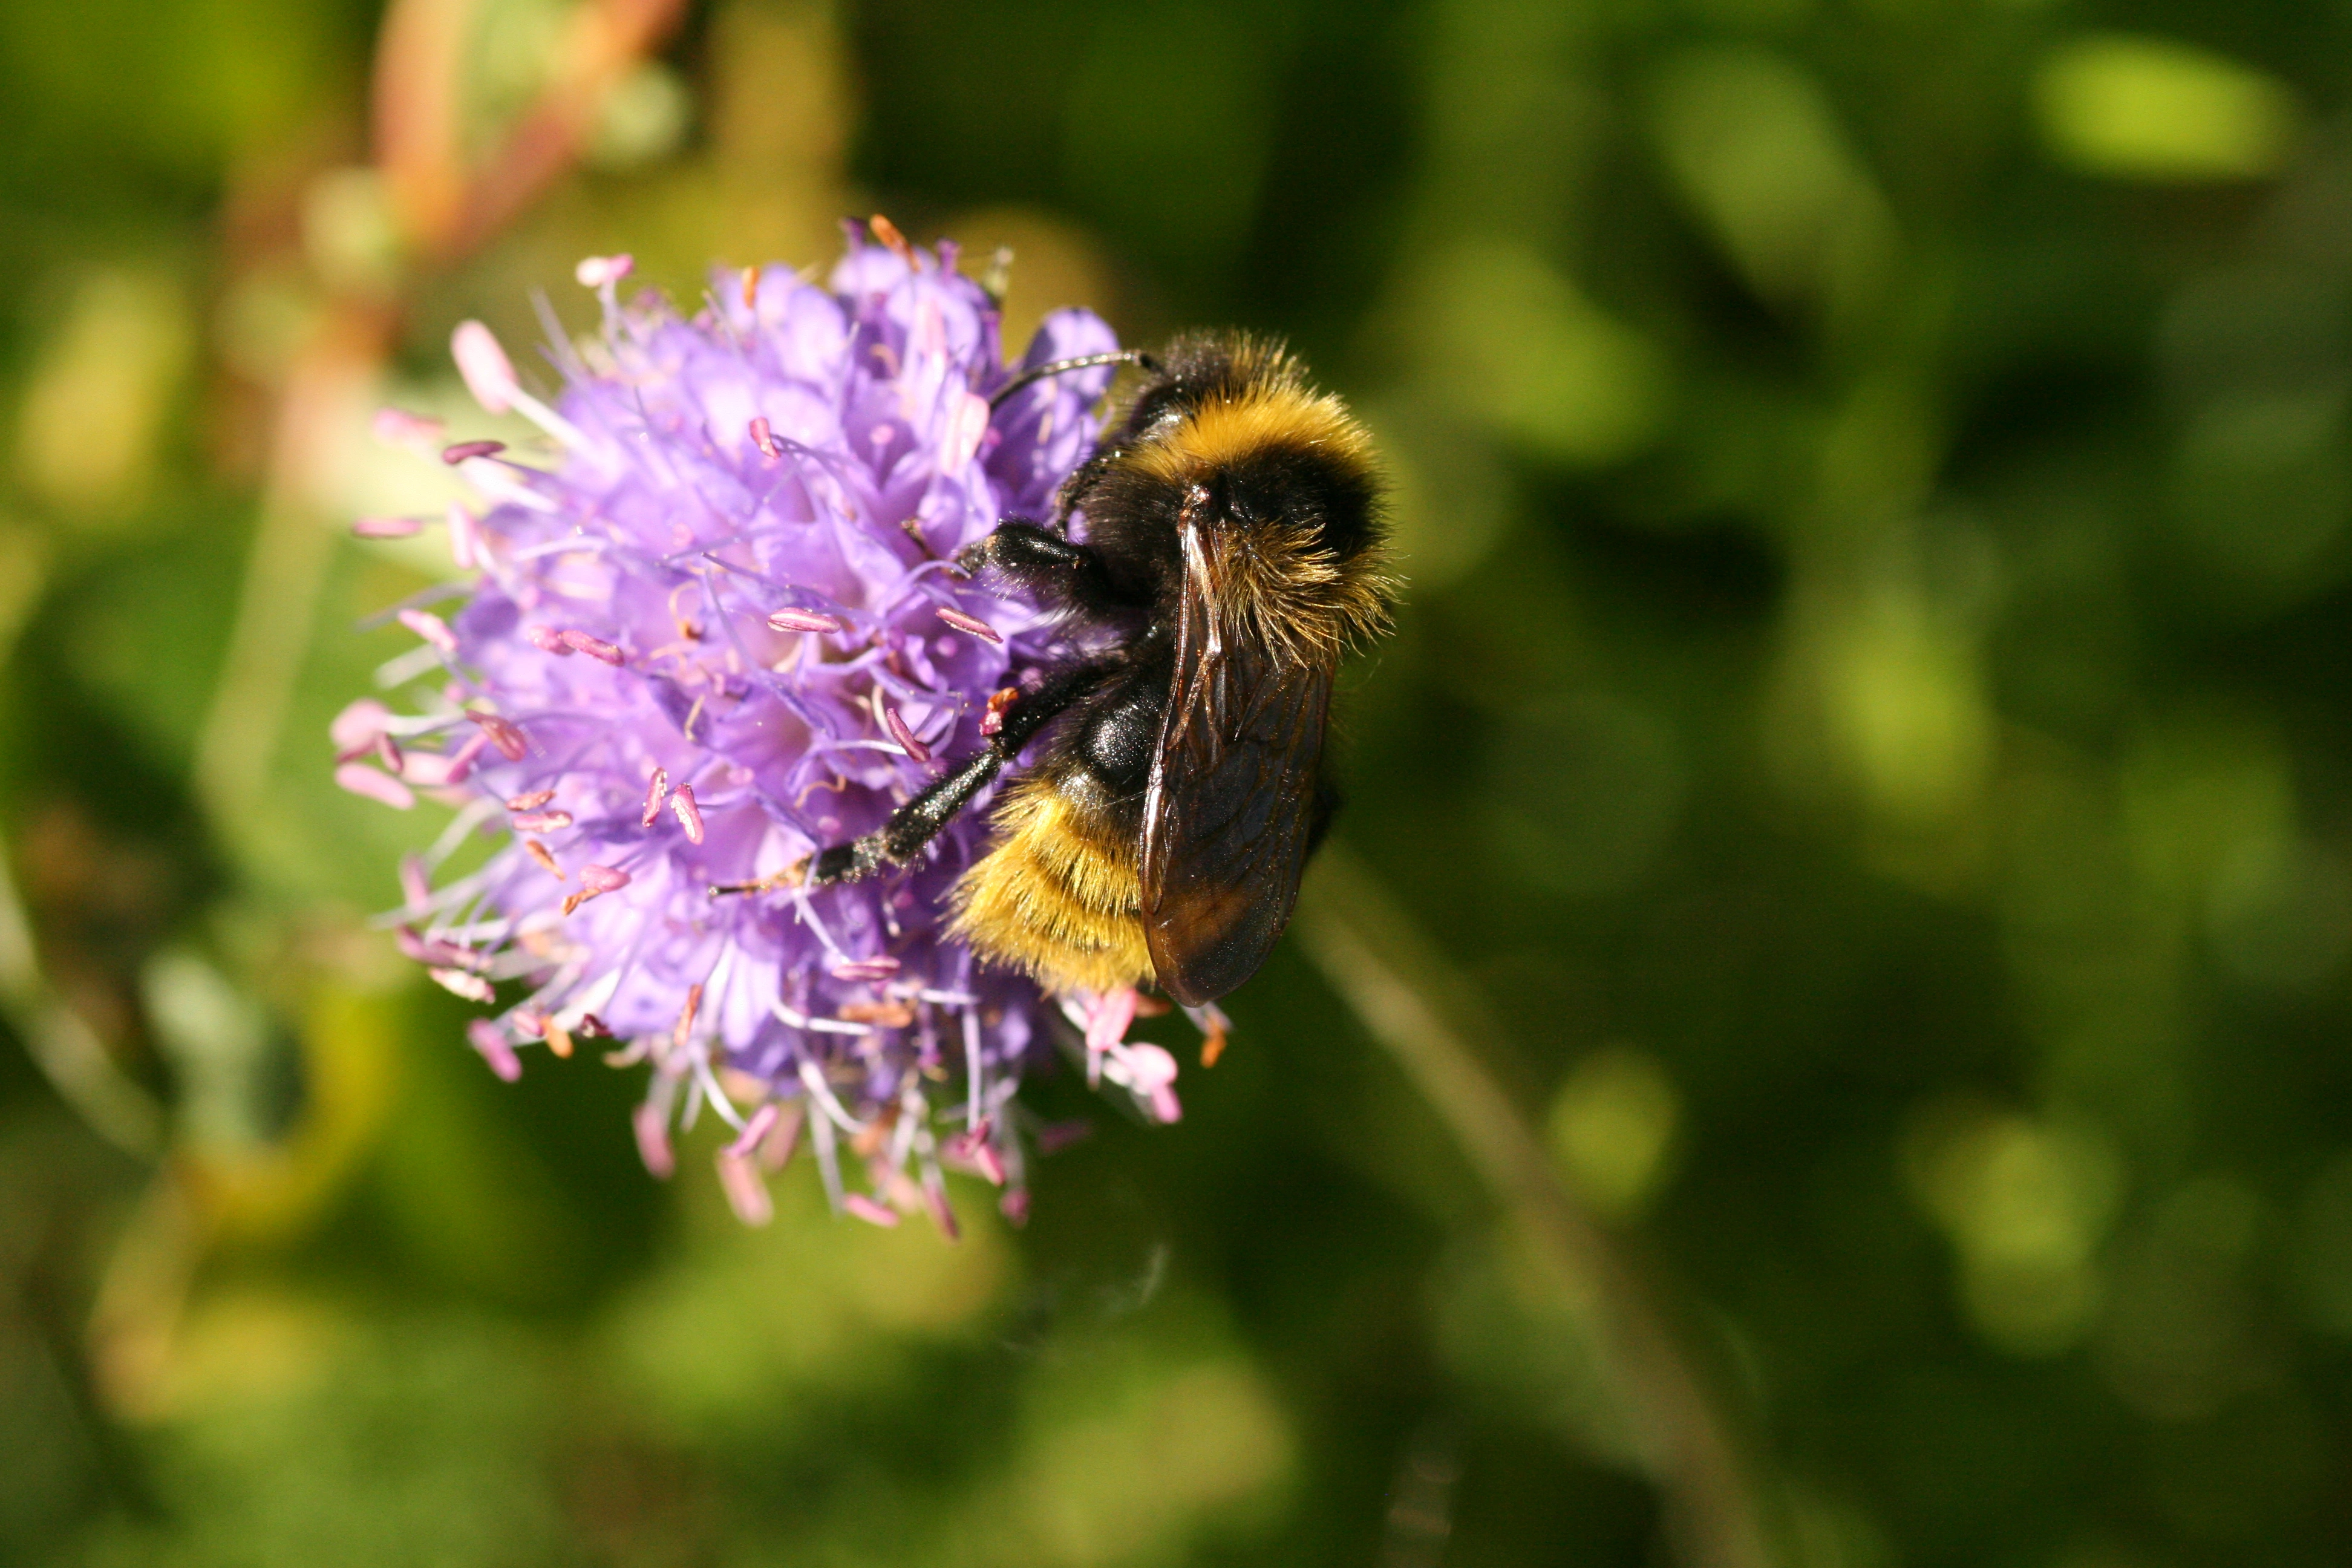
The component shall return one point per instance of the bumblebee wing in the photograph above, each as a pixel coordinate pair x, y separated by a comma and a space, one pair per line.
1226, 817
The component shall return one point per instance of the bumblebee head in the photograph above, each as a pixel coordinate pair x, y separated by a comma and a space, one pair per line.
1280, 478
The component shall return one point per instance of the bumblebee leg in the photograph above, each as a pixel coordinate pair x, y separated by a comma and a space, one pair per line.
1044, 561
1081, 480
917, 823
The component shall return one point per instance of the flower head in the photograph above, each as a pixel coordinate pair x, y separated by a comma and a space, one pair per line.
717, 633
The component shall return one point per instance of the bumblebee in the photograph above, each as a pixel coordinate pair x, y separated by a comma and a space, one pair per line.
1233, 548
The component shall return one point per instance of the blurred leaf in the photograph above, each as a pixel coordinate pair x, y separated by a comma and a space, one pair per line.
2150, 109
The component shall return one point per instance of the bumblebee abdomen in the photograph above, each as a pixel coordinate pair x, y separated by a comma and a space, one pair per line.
1059, 896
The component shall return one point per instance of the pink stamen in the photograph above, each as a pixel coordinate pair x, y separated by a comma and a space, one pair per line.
432, 628
689, 813
1152, 1073
974, 1149
685, 1024
504, 735
1014, 1206
461, 760
992, 721
439, 952
776, 1149
531, 802
804, 621
594, 648
905, 736
764, 438
877, 968
357, 726
387, 751
651, 1124
542, 821
538, 852
869, 1211
491, 1041
748, 1141
935, 1198
971, 624
654, 793
399, 427
1107, 1022
488, 373
746, 1189
386, 527
466, 549
363, 780
460, 451
596, 271
605, 880
415, 888
461, 983
547, 639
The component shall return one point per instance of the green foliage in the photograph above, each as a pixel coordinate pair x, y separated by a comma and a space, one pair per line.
1869, 717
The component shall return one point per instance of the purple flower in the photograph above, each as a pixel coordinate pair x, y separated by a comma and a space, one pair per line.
719, 633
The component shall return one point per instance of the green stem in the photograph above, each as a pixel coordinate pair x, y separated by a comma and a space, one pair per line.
1408, 998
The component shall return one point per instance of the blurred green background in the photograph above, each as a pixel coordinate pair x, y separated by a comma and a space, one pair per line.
1871, 721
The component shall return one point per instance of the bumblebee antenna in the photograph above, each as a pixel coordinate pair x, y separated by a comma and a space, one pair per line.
1136, 357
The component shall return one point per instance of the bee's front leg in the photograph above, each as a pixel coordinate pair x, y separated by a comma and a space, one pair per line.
1042, 561
920, 820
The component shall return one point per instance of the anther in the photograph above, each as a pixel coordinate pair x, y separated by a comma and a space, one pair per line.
491, 1041
596, 271
653, 794
488, 374
992, 721
594, 648
458, 453
651, 1123
689, 813
505, 735
547, 639
804, 621
685, 1024
971, 624
754, 1130
436, 951
432, 628
363, 780
399, 427
887, 232
869, 1211
415, 890
385, 527
542, 821
905, 736
538, 851
461, 760
531, 802
763, 437
463, 982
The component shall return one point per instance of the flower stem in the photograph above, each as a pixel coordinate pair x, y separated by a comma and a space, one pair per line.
1409, 999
